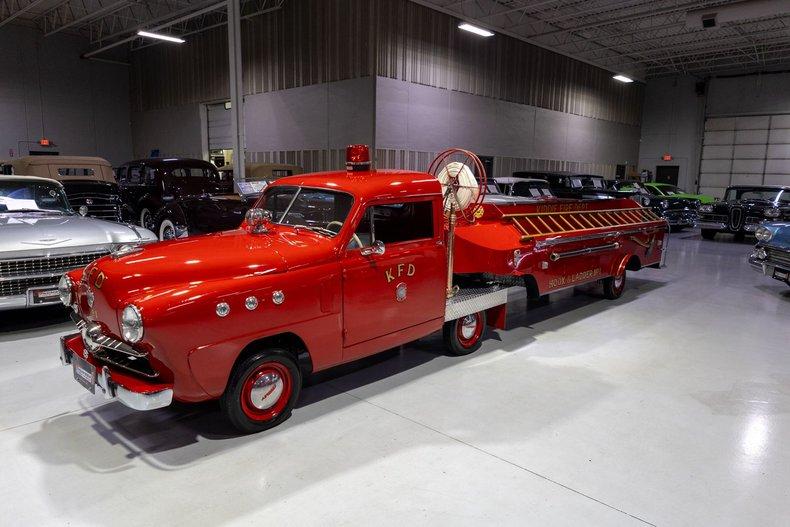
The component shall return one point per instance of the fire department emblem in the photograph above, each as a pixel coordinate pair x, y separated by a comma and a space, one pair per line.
400, 292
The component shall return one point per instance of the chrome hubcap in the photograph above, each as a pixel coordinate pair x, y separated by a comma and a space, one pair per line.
468, 326
168, 233
618, 281
266, 390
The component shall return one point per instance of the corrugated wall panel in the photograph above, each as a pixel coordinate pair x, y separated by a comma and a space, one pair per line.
315, 41
420, 45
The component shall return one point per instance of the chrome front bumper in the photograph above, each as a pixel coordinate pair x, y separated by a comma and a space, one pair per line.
767, 267
684, 218
114, 390
714, 225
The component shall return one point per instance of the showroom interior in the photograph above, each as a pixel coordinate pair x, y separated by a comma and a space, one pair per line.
336, 262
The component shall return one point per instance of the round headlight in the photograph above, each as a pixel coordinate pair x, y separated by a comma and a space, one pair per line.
763, 234
772, 212
664, 204
645, 201
65, 290
706, 208
131, 324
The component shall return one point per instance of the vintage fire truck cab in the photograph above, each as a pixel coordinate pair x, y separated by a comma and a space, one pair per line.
326, 269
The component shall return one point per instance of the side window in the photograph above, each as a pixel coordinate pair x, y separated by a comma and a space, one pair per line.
395, 223
135, 176
179, 172
150, 176
121, 174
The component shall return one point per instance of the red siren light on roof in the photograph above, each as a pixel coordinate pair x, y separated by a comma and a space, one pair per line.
357, 157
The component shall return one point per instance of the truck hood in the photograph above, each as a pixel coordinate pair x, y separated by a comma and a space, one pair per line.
226, 256
33, 233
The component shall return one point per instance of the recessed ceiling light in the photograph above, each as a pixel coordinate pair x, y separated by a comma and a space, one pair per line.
623, 78
476, 30
159, 36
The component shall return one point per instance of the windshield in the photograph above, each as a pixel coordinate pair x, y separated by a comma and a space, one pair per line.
670, 190
761, 194
534, 190
491, 188
324, 211
586, 182
33, 196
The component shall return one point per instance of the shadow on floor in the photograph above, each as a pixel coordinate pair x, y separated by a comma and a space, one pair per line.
26, 320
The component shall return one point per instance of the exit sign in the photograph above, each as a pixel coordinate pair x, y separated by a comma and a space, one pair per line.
666, 157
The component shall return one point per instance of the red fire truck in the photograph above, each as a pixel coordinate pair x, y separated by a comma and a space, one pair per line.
328, 268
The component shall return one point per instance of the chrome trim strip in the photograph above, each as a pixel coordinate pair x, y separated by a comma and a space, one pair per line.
719, 226
581, 252
551, 242
93, 338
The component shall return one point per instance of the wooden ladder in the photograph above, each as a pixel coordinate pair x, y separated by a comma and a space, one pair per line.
534, 224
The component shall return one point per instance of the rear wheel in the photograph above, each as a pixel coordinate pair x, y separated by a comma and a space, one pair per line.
262, 391
614, 286
464, 335
708, 234
145, 217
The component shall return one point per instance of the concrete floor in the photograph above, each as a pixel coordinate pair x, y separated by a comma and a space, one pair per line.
669, 406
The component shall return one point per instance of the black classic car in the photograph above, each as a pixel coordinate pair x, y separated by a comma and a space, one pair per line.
88, 181
743, 209
176, 197
573, 185
679, 212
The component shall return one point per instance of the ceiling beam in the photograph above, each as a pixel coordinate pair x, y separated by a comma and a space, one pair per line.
10, 10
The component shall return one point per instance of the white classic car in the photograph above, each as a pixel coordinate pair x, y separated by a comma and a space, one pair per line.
41, 238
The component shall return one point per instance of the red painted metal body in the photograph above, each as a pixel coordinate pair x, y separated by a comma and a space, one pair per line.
339, 304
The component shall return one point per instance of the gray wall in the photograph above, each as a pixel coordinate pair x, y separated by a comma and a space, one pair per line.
751, 94
84, 105
672, 124
174, 131
415, 118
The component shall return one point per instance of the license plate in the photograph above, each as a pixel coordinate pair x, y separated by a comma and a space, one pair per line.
84, 373
781, 275
43, 296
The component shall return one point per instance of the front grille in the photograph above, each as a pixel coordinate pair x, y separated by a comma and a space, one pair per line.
736, 218
104, 207
17, 276
54, 265
778, 257
20, 287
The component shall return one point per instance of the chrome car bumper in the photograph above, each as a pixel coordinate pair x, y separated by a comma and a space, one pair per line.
714, 225
769, 268
24, 301
113, 390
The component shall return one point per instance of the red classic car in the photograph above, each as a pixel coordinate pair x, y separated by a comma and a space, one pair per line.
326, 269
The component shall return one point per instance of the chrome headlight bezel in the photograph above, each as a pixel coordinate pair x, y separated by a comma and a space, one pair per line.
763, 234
664, 204
706, 207
132, 329
773, 212
66, 290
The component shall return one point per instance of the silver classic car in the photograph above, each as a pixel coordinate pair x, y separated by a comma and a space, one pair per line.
41, 238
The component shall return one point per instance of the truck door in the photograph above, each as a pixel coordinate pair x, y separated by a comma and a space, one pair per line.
394, 271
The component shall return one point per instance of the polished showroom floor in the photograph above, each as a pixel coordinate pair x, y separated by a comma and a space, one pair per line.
670, 406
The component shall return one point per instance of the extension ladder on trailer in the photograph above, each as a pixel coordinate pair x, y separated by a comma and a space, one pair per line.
533, 224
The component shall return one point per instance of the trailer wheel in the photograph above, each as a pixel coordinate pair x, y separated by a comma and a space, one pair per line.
463, 335
614, 286
262, 391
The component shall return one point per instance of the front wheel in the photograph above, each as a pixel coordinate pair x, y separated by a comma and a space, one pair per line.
262, 391
708, 234
614, 286
464, 335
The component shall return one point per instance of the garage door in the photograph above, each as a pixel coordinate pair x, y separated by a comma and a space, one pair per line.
748, 150
220, 136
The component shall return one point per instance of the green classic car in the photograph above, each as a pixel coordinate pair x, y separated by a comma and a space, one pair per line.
665, 189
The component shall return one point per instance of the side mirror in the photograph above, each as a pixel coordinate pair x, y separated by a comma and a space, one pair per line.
376, 248
257, 221
83, 210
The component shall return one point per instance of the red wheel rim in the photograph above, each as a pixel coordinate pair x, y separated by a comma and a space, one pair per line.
266, 391
469, 329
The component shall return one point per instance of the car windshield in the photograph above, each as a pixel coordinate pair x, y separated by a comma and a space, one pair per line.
32, 196
586, 182
669, 190
760, 194
491, 188
534, 190
324, 211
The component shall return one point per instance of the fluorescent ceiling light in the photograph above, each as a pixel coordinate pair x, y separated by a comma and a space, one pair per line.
623, 78
161, 37
476, 30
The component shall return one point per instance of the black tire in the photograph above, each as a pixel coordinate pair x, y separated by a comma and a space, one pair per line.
708, 234
453, 333
740, 236
237, 401
533, 303
166, 230
145, 217
614, 286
